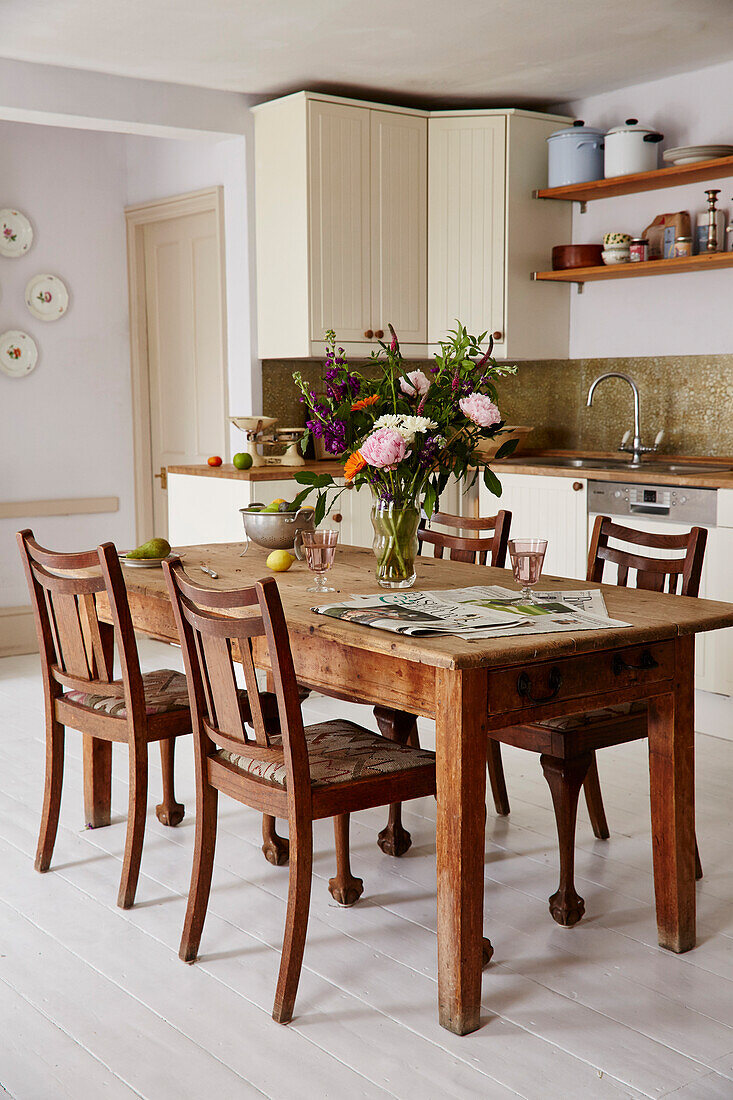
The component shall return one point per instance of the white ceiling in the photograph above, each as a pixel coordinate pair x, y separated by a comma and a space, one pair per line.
411, 51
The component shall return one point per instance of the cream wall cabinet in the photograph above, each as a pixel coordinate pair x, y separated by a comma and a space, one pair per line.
341, 212
369, 214
486, 233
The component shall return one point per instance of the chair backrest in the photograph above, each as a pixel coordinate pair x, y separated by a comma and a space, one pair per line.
216, 627
77, 649
651, 572
464, 547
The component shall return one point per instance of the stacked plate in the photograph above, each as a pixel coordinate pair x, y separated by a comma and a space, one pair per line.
689, 154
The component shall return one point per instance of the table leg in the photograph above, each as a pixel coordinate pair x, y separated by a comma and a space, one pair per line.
672, 783
97, 756
460, 721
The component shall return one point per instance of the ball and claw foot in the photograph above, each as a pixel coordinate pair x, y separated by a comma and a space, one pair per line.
347, 890
566, 907
394, 840
487, 952
276, 850
170, 815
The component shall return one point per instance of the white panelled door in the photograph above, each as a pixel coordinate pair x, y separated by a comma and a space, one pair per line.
339, 220
399, 157
552, 508
184, 299
467, 205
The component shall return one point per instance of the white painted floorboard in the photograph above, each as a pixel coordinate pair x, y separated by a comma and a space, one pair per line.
95, 1003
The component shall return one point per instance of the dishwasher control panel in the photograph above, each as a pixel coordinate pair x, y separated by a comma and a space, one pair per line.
676, 503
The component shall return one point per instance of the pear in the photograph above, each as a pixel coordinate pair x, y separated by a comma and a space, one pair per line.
154, 548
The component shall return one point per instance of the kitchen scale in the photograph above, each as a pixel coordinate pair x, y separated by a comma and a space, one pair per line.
261, 432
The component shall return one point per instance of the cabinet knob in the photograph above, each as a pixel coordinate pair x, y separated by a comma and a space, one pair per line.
577, 485
498, 334
369, 334
379, 333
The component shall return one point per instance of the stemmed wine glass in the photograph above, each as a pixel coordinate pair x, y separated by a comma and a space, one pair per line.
320, 550
527, 556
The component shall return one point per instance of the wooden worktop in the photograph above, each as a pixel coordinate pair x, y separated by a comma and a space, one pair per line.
258, 473
653, 617
530, 462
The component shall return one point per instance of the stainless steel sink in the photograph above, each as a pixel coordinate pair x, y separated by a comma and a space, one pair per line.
621, 465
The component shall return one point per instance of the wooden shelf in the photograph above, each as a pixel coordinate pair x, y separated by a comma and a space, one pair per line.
675, 176
634, 271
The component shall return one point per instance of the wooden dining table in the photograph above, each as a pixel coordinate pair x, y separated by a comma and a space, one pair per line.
469, 688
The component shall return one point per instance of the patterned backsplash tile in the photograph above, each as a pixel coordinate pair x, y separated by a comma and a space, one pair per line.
690, 397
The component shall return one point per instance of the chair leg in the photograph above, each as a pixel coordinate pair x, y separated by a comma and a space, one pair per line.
496, 776
169, 812
51, 794
594, 801
698, 864
201, 872
399, 726
136, 813
296, 921
565, 778
276, 848
97, 754
344, 888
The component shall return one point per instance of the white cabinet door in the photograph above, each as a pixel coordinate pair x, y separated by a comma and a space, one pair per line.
549, 508
466, 217
399, 155
339, 220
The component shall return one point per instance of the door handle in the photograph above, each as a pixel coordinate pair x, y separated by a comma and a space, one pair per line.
369, 334
379, 333
163, 475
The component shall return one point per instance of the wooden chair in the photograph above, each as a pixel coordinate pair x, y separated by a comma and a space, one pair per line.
284, 770
77, 667
400, 726
568, 745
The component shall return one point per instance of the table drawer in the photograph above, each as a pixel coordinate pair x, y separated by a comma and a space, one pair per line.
572, 677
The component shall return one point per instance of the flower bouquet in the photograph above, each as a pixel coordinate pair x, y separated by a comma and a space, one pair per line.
405, 433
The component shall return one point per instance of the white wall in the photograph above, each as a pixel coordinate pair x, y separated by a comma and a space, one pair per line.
662, 315
65, 430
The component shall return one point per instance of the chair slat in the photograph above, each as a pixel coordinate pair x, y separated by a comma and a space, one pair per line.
227, 713
468, 548
68, 625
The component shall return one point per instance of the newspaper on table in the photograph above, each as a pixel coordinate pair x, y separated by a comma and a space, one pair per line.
481, 611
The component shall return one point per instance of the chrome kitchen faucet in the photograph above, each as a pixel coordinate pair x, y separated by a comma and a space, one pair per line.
636, 450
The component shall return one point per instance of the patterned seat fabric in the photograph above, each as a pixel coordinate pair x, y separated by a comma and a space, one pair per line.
164, 690
338, 752
596, 717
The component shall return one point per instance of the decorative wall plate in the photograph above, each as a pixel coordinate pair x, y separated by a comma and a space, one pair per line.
18, 353
47, 297
16, 233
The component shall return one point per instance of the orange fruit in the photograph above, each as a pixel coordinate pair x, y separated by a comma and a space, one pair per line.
215, 460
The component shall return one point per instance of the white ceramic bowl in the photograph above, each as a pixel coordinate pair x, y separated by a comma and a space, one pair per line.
616, 240
616, 256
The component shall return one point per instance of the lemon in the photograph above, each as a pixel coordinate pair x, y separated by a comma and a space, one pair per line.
279, 561
279, 500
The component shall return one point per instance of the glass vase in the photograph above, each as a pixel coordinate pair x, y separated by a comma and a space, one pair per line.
395, 541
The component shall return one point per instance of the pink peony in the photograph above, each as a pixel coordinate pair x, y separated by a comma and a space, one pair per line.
481, 409
418, 383
384, 449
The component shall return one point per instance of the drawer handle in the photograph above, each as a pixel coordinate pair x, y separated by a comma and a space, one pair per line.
646, 660
524, 686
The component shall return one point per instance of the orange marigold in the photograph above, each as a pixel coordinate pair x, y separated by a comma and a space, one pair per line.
353, 464
365, 401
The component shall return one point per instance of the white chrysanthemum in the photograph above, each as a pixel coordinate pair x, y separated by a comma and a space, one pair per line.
407, 426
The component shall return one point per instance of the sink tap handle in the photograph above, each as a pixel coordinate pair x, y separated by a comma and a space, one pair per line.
625, 438
658, 438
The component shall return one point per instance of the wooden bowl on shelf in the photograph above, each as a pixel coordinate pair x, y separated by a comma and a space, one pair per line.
566, 256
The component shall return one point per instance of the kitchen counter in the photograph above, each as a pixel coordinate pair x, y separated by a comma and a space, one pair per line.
530, 462
258, 473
